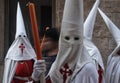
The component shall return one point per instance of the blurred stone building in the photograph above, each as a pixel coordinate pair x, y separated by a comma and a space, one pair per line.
49, 13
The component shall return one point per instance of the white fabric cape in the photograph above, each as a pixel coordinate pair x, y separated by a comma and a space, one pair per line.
113, 63
12, 59
113, 67
9, 70
88, 74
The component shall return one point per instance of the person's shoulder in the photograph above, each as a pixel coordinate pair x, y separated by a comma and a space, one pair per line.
90, 67
91, 70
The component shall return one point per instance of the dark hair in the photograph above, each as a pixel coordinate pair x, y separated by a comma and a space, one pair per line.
52, 33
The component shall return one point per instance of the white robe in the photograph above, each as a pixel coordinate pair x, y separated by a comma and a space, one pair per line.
10, 67
88, 74
96, 56
113, 70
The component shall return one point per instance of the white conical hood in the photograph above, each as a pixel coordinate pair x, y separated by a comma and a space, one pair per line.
88, 32
111, 26
20, 27
72, 13
70, 42
90, 21
72, 22
21, 48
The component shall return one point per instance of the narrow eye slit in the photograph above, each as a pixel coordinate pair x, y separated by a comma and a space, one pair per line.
67, 38
24, 36
76, 38
19, 35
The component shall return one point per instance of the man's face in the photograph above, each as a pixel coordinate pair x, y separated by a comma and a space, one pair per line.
48, 44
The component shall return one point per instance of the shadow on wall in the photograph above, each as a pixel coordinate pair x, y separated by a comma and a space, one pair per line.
1, 72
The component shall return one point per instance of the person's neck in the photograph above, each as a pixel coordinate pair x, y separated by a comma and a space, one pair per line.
52, 52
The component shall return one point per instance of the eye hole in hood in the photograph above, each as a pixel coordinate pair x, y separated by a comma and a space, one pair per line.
22, 36
76, 38
67, 37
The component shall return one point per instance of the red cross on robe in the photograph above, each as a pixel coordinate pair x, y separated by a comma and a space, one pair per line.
66, 72
22, 47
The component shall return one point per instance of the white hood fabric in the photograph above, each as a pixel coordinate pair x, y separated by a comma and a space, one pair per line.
88, 73
115, 31
70, 44
113, 67
20, 30
20, 49
90, 21
88, 32
113, 63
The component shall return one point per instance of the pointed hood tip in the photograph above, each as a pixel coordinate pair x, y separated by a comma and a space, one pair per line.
115, 31
90, 21
20, 26
72, 11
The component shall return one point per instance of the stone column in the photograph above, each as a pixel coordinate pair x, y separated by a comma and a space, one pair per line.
59, 12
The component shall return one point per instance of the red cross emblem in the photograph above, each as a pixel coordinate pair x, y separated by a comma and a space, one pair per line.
22, 47
66, 72
100, 74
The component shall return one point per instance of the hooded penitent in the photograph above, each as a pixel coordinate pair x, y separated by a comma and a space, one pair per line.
70, 44
20, 49
113, 69
88, 32
114, 31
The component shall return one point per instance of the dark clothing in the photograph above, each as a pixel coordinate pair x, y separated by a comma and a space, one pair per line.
49, 61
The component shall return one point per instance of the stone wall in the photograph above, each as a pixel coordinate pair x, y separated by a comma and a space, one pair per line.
101, 36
